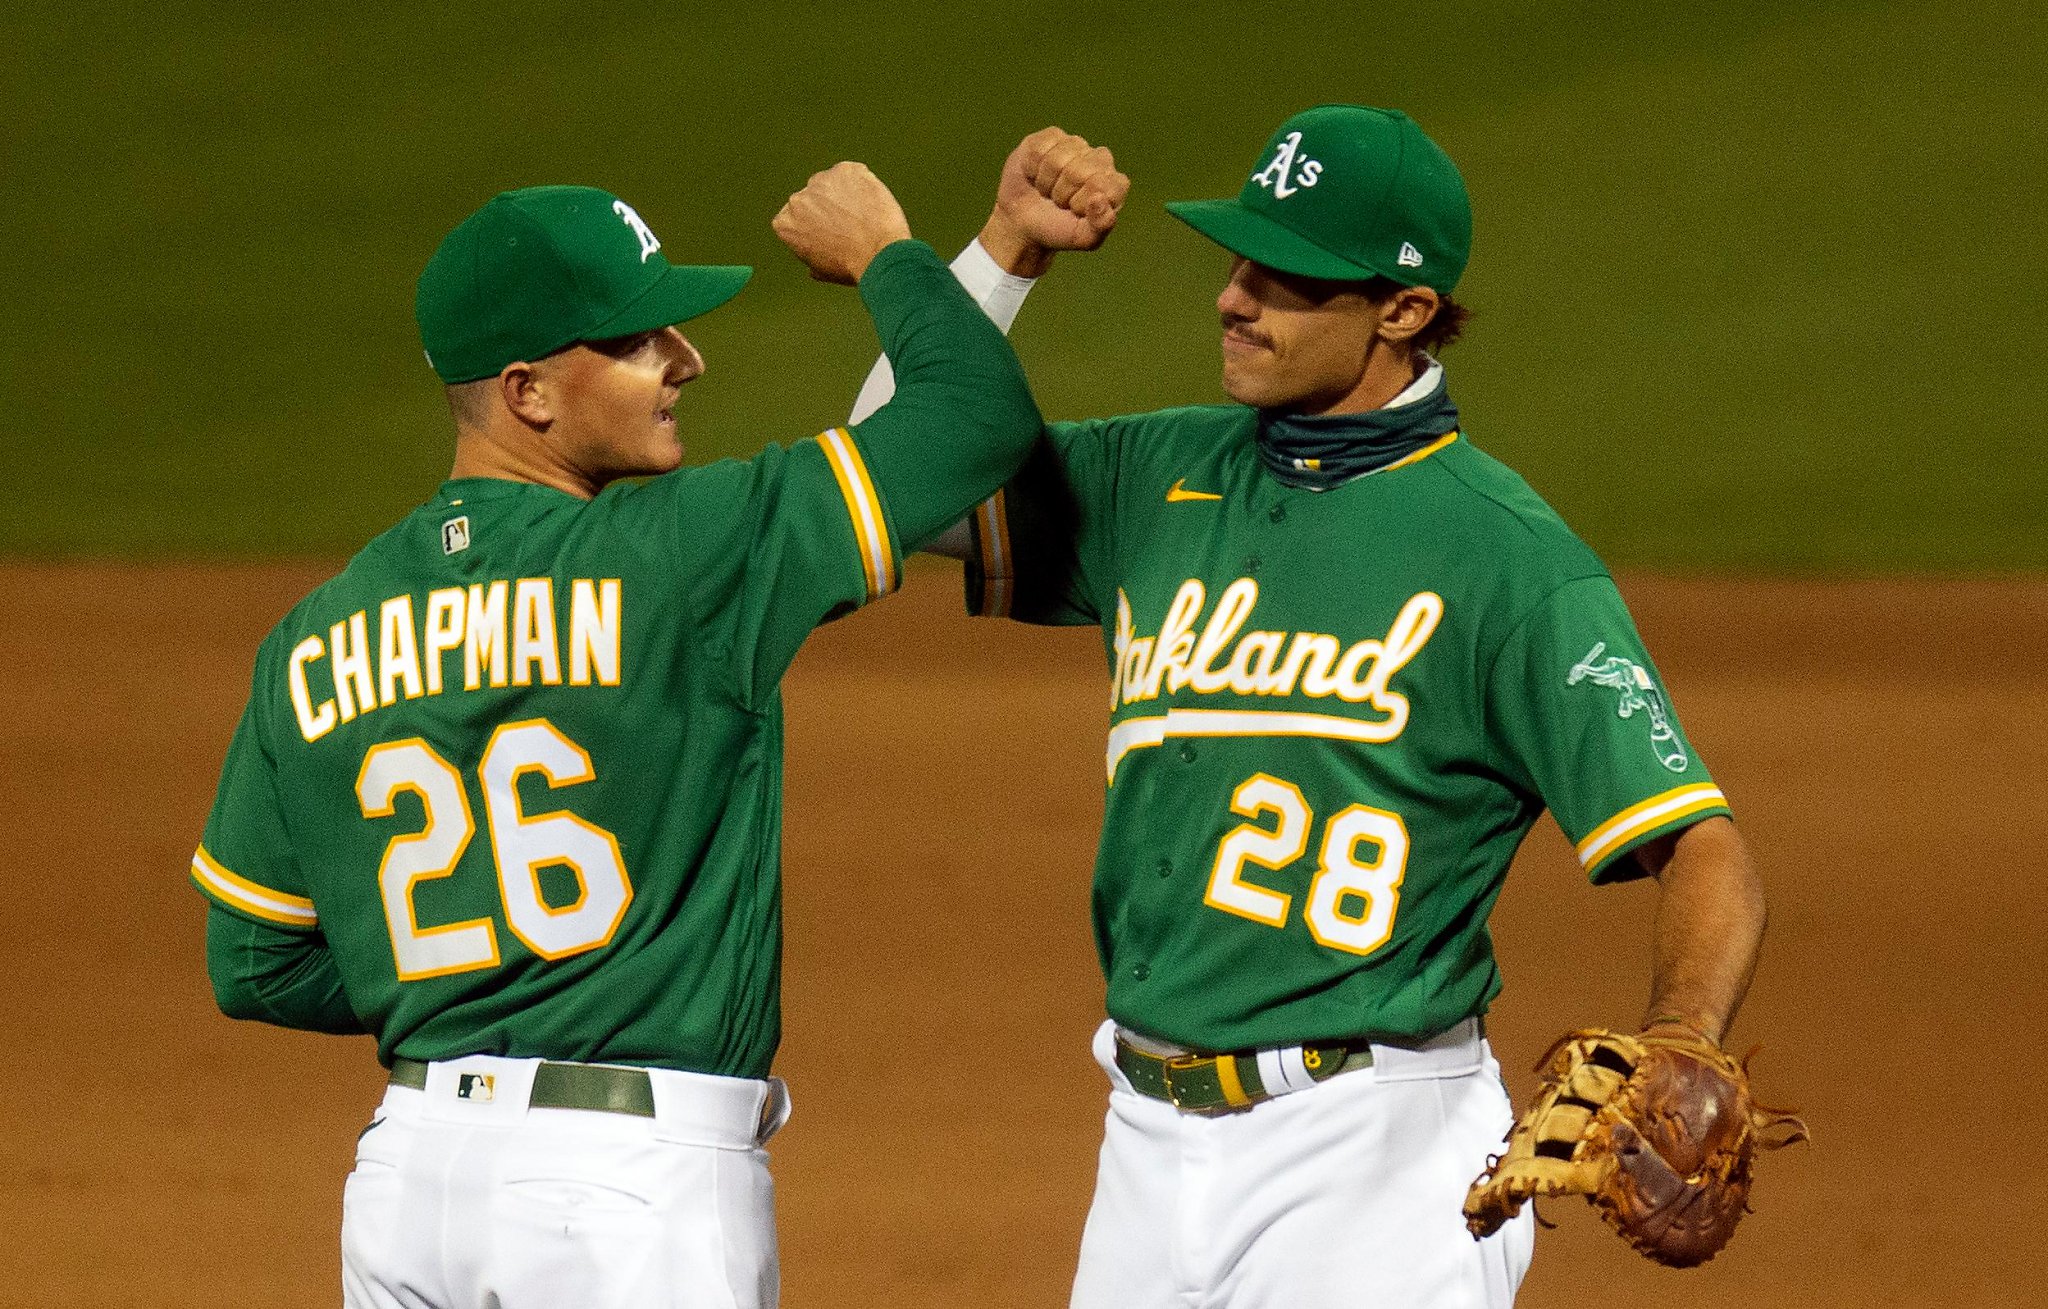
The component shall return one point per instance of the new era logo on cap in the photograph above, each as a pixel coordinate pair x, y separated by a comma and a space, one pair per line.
1409, 257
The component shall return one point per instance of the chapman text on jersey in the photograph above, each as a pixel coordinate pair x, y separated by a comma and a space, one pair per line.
507, 633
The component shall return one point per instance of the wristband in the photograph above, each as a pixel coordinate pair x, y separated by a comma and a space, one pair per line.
999, 293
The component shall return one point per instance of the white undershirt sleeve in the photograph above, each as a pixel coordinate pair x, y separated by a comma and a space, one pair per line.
1000, 296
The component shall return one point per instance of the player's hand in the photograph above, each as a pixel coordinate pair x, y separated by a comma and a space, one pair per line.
840, 221
1057, 193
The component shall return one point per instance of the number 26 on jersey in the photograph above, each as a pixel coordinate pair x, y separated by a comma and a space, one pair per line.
1357, 885
521, 846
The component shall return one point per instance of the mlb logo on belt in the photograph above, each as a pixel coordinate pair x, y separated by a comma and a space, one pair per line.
476, 1086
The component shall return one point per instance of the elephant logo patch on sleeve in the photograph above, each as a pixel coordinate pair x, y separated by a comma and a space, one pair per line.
1639, 694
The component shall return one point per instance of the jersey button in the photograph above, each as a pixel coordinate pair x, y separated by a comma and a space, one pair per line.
1165, 868
1140, 971
1278, 513
1251, 565
1187, 752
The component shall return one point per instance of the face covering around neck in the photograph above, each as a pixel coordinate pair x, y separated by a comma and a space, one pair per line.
1320, 450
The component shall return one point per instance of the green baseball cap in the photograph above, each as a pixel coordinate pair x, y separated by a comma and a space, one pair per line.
1347, 192
543, 267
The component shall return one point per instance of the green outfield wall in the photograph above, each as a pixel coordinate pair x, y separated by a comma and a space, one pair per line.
1757, 286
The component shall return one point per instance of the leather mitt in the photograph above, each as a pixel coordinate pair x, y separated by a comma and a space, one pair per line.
1659, 1132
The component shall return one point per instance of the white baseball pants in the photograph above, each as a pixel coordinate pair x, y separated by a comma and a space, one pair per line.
1348, 1193
456, 1202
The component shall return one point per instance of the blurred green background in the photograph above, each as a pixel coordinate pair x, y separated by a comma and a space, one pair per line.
1758, 286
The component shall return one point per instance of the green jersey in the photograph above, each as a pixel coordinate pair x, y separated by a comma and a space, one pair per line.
1333, 716
510, 784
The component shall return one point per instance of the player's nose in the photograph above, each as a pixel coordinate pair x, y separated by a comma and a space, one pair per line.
684, 363
1236, 300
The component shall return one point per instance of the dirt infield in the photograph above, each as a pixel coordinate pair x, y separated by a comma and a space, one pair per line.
1881, 742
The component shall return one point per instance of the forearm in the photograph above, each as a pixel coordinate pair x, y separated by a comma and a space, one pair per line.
962, 418
270, 975
1709, 928
994, 284
1056, 192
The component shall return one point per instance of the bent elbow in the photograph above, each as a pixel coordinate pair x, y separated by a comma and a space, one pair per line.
237, 999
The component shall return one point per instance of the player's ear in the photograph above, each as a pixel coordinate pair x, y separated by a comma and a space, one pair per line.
523, 388
1407, 312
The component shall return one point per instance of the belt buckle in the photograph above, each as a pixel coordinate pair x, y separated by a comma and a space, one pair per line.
1183, 1062
1188, 1062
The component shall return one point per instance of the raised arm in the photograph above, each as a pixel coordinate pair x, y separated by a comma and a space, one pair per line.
962, 418
1056, 193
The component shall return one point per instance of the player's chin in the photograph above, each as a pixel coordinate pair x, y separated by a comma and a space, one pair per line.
660, 452
1245, 385
666, 457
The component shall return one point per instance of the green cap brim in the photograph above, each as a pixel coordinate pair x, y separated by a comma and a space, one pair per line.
684, 292
1263, 241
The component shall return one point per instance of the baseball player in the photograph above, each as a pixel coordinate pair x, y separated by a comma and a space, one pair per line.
1351, 659
506, 795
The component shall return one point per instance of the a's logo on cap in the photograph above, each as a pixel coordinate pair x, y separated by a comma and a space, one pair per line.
1409, 257
648, 244
1281, 177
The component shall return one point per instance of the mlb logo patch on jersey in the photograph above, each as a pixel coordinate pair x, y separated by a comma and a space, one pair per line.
476, 1086
455, 535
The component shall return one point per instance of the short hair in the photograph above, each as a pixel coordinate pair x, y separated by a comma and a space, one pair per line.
470, 402
1443, 329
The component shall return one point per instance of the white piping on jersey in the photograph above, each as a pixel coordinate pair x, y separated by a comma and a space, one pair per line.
870, 529
994, 523
243, 894
1133, 734
1652, 813
1139, 733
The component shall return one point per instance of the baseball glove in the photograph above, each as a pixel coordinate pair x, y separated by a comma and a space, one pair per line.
1658, 1132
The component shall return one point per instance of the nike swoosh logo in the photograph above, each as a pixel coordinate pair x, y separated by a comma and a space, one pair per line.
1178, 493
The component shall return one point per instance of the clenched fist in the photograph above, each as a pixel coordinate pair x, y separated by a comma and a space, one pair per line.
840, 221
1057, 193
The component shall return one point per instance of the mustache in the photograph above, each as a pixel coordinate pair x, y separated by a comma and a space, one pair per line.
1238, 328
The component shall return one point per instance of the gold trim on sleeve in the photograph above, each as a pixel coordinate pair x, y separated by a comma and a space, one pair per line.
1652, 813
864, 507
241, 893
992, 518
